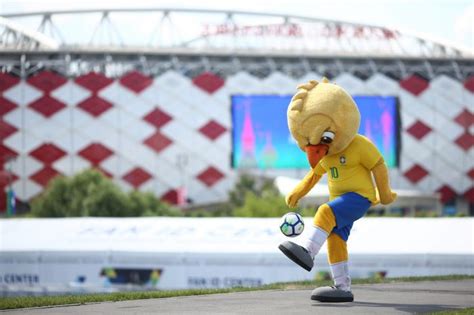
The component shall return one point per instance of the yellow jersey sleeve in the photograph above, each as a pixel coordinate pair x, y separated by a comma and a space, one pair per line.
369, 154
319, 169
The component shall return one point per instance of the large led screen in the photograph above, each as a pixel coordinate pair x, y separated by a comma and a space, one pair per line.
261, 138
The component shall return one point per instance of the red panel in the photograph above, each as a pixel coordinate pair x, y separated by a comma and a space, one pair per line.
47, 153
47, 106
471, 173
172, 196
419, 130
6, 130
136, 81
95, 153
7, 81
469, 84
208, 82
465, 141
447, 193
157, 118
44, 175
465, 118
137, 177
469, 195
47, 81
6, 106
158, 142
416, 173
212, 130
93, 81
5, 153
414, 84
95, 106
210, 176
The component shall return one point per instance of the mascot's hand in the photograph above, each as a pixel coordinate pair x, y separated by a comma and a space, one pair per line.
292, 200
387, 199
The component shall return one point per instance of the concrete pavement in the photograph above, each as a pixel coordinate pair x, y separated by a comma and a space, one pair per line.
396, 298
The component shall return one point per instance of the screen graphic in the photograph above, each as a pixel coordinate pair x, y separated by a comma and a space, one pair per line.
261, 138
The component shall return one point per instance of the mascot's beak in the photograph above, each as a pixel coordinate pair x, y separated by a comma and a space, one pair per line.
315, 153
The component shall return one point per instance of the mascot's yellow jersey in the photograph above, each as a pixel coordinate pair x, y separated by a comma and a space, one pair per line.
349, 170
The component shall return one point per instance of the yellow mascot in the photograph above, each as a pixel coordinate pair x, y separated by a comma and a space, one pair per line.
324, 120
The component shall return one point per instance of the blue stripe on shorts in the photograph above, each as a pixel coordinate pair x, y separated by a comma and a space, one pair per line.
347, 209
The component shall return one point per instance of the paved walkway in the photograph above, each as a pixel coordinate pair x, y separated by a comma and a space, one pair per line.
398, 298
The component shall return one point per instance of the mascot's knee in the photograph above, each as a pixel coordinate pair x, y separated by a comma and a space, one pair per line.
337, 249
325, 218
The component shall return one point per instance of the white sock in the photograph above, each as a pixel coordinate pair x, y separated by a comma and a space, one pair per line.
340, 275
315, 241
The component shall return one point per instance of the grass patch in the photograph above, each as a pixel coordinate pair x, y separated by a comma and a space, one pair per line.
42, 301
464, 311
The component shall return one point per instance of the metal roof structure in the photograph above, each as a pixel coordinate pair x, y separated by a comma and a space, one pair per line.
154, 40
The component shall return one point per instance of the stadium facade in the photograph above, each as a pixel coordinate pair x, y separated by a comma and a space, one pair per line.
158, 118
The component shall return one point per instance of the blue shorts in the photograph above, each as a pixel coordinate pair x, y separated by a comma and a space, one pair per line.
347, 209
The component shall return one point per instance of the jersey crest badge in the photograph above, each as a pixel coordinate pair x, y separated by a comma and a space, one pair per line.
342, 160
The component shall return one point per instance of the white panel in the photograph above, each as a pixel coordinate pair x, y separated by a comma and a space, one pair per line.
350, 83
25, 165
137, 107
25, 116
414, 107
100, 132
244, 83
447, 175
382, 85
188, 138
452, 155
71, 93
31, 189
447, 107
168, 173
139, 154
173, 80
418, 153
116, 117
47, 130
22, 94
117, 166
224, 142
118, 95
447, 87
79, 142
406, 120
21, 142
71, 164
445, 127
138, 129
280, 83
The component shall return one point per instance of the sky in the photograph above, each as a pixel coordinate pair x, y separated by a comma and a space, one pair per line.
450, 21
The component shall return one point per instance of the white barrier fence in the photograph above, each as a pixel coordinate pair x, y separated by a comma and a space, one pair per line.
49, 256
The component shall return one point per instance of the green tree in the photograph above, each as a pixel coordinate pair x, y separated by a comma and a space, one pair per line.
90, 193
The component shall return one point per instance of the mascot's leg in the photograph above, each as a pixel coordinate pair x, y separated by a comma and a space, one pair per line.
323, 224
338, 260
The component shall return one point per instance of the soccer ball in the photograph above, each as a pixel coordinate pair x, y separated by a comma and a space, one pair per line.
292, 224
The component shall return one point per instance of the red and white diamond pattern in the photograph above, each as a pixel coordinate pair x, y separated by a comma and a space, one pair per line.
161, 134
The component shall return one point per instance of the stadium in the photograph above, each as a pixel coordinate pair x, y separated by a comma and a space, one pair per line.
172, 111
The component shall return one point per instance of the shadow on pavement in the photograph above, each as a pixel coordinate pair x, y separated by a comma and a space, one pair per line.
410, 308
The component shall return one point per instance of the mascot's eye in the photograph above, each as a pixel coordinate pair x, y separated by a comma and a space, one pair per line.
327, 137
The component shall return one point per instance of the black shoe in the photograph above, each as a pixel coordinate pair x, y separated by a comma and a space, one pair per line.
298, 254
331, 294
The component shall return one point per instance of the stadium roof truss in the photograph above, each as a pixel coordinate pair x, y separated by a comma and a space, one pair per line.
154, 40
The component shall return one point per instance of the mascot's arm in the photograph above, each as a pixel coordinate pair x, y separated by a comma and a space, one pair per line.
302, 188
380, 172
